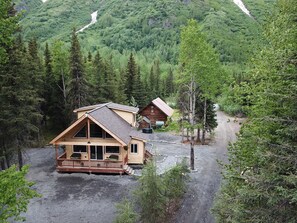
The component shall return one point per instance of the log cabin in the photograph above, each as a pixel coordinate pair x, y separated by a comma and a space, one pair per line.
157, 111
103, 139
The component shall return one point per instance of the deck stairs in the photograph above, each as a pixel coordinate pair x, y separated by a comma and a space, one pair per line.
129, 170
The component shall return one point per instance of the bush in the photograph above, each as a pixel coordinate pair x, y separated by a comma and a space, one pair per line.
229, 106
175, 180
150, 195
156, 194
125, 212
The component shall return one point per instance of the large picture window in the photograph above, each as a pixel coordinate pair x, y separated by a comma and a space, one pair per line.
134, 148
112, 149
79, 149
95, 131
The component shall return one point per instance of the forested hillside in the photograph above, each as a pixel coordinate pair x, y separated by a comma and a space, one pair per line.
150, 28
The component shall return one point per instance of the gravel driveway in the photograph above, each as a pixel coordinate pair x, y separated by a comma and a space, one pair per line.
80, 197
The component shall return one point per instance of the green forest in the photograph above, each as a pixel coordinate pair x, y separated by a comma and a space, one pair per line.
190, 53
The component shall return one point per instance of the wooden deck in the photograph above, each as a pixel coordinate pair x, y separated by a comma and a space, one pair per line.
90, 166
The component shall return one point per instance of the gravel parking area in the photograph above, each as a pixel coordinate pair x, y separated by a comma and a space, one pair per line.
91, 198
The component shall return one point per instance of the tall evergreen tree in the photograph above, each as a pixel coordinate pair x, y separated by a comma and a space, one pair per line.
111, 91
131, 73
152, 84
138, 92
261, 179
98, 78
20, 114
157, 75
78, 84
35, 68
49, 86
169, 83
122, 98
8, 27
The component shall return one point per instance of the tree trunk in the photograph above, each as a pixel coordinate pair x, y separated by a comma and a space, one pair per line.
2, 164
204, 122
20, 158
182, 126
198, 135
191, 119
7, 160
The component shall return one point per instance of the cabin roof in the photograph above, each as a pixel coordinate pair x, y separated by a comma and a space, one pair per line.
114, 123
111, 122
110, 105
162, 106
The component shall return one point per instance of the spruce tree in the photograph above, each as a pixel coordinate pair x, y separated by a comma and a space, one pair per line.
157, 77
98, 77
131, 73
169, 83
8, 27
20, 101
111, 91
139, 94
122, 98
49, 86
152, 84
78, 84
35, 68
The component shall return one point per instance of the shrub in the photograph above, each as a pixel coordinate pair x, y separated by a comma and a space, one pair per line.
175, 180
125, 212
150, 195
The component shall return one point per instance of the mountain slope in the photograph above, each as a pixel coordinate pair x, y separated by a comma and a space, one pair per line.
151, 28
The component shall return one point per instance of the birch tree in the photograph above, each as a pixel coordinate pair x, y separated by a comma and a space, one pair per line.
200, 69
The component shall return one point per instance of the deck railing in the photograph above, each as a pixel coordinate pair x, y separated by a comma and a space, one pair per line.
62, 161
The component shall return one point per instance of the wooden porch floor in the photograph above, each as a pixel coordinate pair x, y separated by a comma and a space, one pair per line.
92, 166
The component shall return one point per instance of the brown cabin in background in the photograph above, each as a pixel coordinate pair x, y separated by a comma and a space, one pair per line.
154, 112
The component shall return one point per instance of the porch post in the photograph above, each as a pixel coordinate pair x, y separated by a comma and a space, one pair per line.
89, 156
89, 150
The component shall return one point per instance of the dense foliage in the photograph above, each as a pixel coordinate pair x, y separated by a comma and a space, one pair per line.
157, 196
19, 114
15, 193
261, 180
149, 29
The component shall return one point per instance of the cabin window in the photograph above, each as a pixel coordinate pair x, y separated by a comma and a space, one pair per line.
107, 135
134, 148
79, 149
82, 133
95, 131
152, 109
112, 149
96, 152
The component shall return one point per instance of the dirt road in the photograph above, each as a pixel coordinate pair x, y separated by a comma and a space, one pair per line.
205, 181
